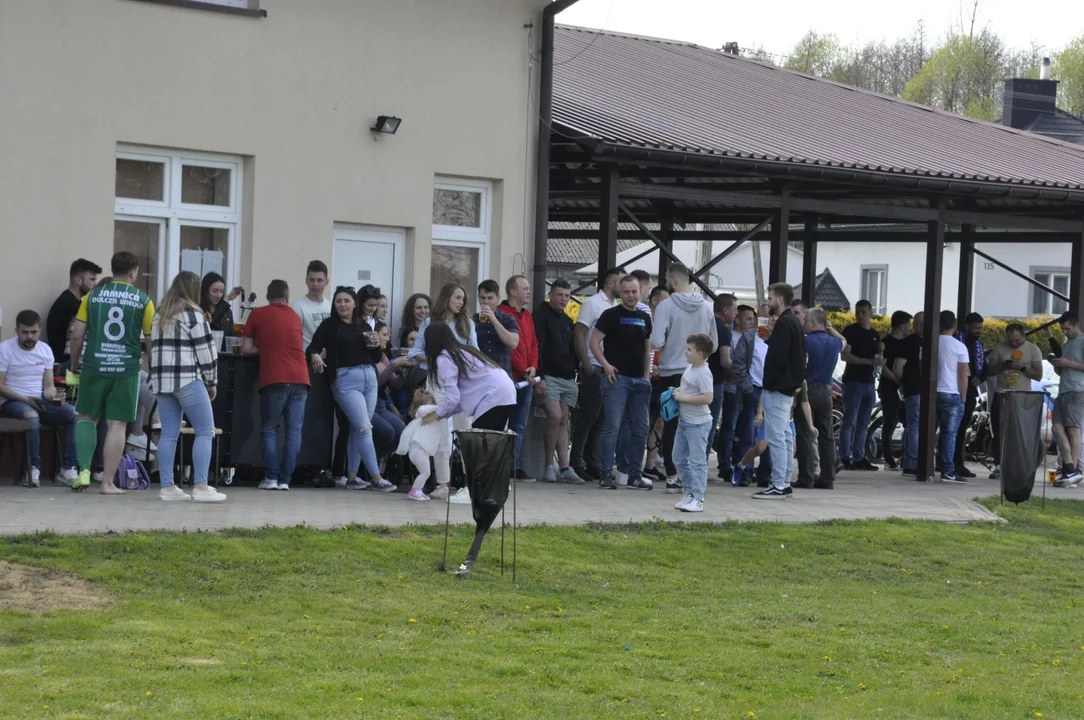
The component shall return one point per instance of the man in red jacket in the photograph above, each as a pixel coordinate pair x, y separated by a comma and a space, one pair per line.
524, 360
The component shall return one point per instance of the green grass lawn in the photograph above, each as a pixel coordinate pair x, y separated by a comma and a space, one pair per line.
843, 620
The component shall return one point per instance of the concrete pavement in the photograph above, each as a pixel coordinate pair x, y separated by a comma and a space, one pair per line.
858, 495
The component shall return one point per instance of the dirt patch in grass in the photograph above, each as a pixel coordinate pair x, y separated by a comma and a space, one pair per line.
38, 589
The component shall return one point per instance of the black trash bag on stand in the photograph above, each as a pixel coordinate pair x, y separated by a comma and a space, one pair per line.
487, 458
1022, 446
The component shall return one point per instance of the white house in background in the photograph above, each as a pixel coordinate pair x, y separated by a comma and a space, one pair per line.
891, 275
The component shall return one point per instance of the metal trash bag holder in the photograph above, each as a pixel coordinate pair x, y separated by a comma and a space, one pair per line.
487, 457
1022, 443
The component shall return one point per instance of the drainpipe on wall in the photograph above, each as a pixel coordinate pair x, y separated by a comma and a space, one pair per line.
545, 120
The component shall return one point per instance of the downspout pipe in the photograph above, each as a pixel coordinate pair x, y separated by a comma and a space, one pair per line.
545, 121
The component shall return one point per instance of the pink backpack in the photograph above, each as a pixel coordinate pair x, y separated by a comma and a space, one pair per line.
131, 475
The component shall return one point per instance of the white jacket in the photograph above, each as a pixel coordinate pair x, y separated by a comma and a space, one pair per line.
434, 438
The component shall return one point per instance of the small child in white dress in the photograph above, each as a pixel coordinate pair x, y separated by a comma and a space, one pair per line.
421, 442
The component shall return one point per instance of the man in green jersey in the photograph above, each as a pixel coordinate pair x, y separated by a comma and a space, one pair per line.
107, 344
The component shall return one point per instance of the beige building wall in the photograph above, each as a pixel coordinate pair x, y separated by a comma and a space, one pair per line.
294, 93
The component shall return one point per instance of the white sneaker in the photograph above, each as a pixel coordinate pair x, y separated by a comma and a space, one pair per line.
96, 476
66, 477
172, 493
440, 492
284, 486
462, 497
207, 494
142, 442
622, 479
357, 484
341, 482
683, 502
268, 484
693, 505
35, 477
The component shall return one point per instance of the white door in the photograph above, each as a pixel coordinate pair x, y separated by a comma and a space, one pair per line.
367, 255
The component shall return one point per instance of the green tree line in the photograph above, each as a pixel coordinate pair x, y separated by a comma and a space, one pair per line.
962, 72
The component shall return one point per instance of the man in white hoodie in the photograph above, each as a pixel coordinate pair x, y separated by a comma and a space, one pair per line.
676, 318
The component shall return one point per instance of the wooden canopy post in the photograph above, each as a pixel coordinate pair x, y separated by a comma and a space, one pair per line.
609, 211
927, 414
1076, 277
966, 280
666, 237
777, 259
809, 261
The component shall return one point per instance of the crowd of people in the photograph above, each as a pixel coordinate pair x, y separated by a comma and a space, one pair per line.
639, 390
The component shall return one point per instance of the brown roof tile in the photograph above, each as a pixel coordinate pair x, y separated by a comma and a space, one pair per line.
636, 91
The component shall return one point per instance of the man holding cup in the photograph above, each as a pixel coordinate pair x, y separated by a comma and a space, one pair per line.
28, 394
498, 333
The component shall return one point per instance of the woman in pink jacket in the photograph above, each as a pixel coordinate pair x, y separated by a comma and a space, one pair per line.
470, 382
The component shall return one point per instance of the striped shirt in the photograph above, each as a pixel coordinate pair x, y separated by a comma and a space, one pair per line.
183, 353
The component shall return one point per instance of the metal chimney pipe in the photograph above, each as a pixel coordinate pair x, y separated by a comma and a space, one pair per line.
1044, 71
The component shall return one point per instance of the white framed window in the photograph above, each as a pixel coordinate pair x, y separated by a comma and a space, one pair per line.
462, 218
178, 211
1042, 302
875, 287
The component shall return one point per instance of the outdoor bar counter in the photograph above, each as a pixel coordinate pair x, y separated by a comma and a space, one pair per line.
237, 414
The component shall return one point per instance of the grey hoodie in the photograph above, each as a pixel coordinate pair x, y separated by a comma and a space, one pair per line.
676, 318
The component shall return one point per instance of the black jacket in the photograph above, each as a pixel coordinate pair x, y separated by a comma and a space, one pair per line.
784, 366
556, 355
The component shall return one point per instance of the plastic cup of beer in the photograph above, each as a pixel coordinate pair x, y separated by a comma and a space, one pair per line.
1051, 475
371, 339
482, 317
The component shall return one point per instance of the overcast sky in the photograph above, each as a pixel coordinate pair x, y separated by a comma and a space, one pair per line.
775, 25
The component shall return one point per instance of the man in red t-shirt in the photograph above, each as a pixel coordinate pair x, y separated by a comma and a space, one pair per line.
524, 360
274, 333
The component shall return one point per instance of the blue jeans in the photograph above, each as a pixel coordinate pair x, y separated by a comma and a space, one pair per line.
195, 404
387, 429
777, 413
744, 432
716, 408
355, 391
950, 410
625, 407
690, 458
858, 401
724, 444
910, 432
517, 423
282, 402
54, 416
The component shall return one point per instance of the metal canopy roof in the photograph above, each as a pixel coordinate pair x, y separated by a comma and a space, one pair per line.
636, 93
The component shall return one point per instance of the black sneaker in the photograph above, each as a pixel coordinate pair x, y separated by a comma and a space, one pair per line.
522, 477
846, 465
608, 482
963, 472
910, 472
743, 481
818, 485
805, 484
864, 464
891, 464
654, 474
763, 483
995, 474
774, 493
637, 482
673, 484
950, 478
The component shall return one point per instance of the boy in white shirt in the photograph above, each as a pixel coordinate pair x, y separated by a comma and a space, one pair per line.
694, 396
314, 308
953, 367
28, 394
